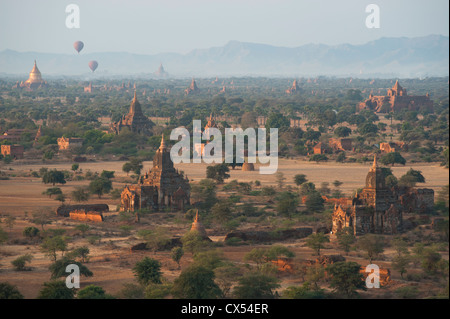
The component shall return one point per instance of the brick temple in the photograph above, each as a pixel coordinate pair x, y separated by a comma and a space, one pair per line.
162, 186
135, 120
378, 208
397, 99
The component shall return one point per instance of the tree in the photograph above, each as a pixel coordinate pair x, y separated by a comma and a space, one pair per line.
307, 188
372, 244
345, 239
315, 274
52, 191
10, 221
196, 282
61, 197
127, 167
218, 172
287, 204
314, 201
3, 236
193, 242
225, 276
400, 263
41, 218
20, 262
80, 194
8, 291
148, 270
93, 292
53, 177
107, 174
303, 292
75, 167
411, 178
176, 254
392, 159
280, 179
342, 131
31, 232
80, 252
58, 268
221, 212
83, 228
299, 179
346, 278
317, 241
100, 186
256, 286
56, 289
51, 245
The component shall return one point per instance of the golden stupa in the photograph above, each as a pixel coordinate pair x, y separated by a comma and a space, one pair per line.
35, 79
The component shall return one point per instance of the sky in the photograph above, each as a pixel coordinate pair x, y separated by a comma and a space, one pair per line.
161, 26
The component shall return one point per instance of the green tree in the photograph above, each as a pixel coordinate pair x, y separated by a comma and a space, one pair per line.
411, 178
299, 179
8, 291
303, 292
342, 131
346, 278
314, 202
372, 244
148, 270
52, 191
218, 172
287, 203
80, 194
107, 174
176, 254
221, 212
317, 242
256, 286
100, 186
345, 239
392, 159
56, 289
53, 177
51, 245
83, 228
58, 268
20, 262
196, 282
75, 167
93, 292
31, 232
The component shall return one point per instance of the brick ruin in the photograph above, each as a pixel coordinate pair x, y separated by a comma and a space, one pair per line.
65, 210
378, 208
162, 186
69, 143
396, 100
83, 215
135, 120
15, 151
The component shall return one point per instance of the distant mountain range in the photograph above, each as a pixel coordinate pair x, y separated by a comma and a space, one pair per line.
385, 57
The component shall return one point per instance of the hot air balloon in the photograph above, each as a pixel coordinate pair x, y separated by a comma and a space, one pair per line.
78, 46
93, 65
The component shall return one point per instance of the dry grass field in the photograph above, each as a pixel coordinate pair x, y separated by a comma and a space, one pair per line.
111, 259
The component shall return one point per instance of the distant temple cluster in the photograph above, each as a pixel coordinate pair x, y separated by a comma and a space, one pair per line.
162, 186
396, 100
34, 81
378, 208
135, 120
294, 88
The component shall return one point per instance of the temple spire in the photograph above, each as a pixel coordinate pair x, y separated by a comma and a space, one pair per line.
163, 143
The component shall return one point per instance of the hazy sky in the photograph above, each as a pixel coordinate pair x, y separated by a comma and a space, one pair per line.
152, 26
